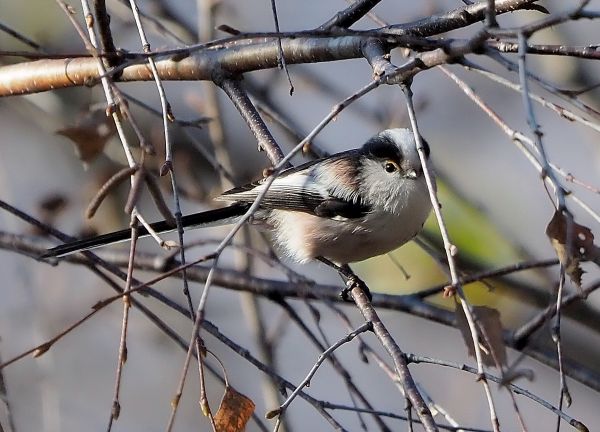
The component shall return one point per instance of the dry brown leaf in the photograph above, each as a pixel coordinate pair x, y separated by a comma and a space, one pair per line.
582, 243
90, 134
490, 330
234, 411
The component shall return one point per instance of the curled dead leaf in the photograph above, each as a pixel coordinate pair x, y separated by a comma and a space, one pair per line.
491, 341
234, 411
579, 247
90, 134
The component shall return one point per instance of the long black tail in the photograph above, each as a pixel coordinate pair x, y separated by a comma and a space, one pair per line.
222, 216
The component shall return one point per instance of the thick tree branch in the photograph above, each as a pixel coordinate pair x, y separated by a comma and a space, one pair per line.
239, 97
44, 75
237, 57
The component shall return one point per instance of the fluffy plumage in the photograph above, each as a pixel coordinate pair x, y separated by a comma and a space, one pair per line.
346, 207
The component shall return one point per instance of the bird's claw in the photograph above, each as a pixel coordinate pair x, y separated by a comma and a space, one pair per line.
355, 282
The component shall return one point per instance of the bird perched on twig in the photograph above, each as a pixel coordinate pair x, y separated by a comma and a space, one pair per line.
340, 209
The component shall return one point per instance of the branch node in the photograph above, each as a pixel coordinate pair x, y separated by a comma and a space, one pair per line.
166, 168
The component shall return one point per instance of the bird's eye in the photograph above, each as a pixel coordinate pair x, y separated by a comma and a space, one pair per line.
391, 167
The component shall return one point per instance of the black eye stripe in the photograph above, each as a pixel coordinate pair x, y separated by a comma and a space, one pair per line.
381, 147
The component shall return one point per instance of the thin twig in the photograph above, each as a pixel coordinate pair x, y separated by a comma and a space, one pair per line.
350, 15
116, 405
561, 111
243, 254
26, 40
450, 252
91, 45
522, 142
281, 55
166, 108
487, 274
168, 167
531, 120
367, 326
334, 406
490, 14
563, 394
334, 361
518, 390
521, 335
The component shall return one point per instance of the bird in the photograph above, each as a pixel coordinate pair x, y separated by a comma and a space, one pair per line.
339, 209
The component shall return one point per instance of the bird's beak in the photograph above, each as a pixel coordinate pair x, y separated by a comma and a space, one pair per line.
411, 174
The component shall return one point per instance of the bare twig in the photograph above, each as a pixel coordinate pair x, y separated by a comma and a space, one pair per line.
518, 390
239, 97
329, 351
116, 405
537, 133
26, 40
224, 163
400, 364
560, 110
499, 272
333, 406
282, 63
350, 15
586, 52
344, 373
522, 142
450, 252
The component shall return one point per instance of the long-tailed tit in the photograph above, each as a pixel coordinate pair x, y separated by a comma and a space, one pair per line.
345, 208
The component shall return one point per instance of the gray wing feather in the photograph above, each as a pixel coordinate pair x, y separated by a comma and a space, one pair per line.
297, 192
293, 192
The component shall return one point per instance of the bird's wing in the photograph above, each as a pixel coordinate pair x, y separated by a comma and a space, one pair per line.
297, 190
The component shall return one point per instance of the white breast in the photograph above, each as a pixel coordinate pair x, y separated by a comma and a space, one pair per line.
303, 236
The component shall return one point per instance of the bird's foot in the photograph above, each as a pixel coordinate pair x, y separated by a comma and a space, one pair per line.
352, 282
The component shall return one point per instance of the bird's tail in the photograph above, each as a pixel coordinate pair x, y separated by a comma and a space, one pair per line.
216, 217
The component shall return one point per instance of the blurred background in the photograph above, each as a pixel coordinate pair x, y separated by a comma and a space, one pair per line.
496, 207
